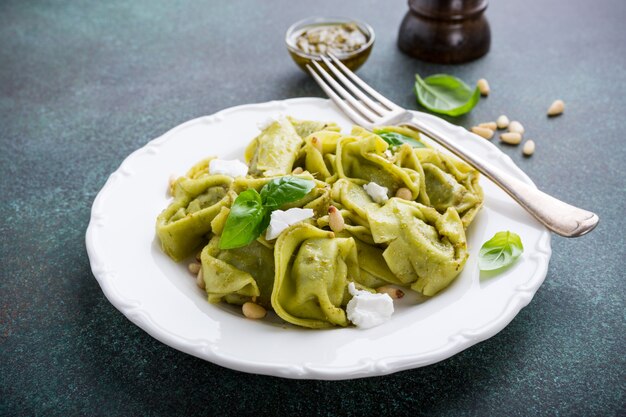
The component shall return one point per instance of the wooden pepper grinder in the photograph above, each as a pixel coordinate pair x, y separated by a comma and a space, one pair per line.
445, 31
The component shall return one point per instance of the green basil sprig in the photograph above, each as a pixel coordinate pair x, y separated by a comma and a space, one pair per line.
445, 94
250, 213
244, 222
285, 190
398, 139
500, 251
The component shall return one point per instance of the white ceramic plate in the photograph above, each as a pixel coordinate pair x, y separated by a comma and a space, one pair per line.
162, 298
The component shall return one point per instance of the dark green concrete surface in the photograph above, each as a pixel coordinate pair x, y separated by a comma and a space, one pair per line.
83, 84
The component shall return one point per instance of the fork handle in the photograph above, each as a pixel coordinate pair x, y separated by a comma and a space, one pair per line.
558, 216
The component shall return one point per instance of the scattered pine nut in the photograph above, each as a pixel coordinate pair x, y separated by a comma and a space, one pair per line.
516, 127
483, 86
253, 311
316, 143
483, 131
556, 108
194, 268
529, 148
198, 255
394, 293
489, 125
512, 138
335, 219
502, 122
200, 279
297, 170
404, 193
170, 184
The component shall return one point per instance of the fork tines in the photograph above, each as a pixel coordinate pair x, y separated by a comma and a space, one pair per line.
359, 101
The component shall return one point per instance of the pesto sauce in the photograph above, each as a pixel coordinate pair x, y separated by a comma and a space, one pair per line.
336, 38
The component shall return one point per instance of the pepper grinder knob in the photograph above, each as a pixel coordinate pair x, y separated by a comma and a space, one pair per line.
445, 31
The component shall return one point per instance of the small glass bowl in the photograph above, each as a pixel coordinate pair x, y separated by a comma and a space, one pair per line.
352, 60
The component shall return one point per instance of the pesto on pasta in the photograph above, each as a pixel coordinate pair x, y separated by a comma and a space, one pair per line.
401, 210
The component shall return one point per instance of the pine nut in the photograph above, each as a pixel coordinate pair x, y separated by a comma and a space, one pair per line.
529, 148
170, 184
502, 122
194, 268
335, 219
404, 193
297, 170
253, 311
483, 131
483, 86
512, 138
556, 108
394, 293
316, 143
200, 279
489, 125
516, 127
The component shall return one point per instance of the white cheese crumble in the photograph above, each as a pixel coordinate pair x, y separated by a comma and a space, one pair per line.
388, 154
367, 310
233, 168
280, 220
265, 123
270, 120
378, 193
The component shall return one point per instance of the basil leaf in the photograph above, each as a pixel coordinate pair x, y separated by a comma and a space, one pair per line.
500, 251
445, 94
285, 190
246, 221
397, 139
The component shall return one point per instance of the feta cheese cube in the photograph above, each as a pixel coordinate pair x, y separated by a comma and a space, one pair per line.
378, 193
367, 310
280, 220
233, 168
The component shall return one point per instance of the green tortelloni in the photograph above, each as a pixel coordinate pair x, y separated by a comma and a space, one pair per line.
183, 226
406, 158
198, 170
306, 127
361, 158
451, 183
313, 269
303, 275
238, 275
274, 151
317, 156
374, 269
352, 197
353, 225
425, 249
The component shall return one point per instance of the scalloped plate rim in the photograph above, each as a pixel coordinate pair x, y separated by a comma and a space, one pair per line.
458, 342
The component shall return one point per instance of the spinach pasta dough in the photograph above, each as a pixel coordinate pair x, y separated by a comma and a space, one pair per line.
238, 275
424, 248
183, 226
274, 151
318, 214
451, 183
312, 271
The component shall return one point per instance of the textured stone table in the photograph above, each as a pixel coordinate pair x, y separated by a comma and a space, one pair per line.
83, 84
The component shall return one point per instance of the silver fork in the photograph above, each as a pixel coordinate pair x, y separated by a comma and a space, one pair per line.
368, 108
